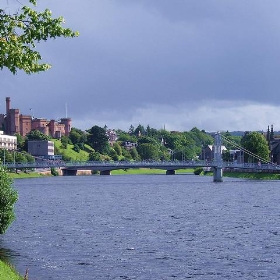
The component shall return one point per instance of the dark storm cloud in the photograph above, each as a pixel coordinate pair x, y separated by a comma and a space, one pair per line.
158, 62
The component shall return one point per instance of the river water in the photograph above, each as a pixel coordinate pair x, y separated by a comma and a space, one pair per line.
145, 227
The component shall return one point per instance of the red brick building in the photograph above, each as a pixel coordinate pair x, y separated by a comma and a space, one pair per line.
13, 122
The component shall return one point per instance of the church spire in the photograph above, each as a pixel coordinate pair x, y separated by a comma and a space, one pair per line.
271, 133
268, 134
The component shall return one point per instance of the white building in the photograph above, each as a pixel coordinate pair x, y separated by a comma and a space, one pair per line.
41, 148
8, 142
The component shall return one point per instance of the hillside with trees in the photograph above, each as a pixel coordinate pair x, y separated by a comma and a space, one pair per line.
148, 144
138, 144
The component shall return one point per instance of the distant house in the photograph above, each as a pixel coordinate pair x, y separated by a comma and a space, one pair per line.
237, 156
112, 136
275, 150
207, 152
129, 145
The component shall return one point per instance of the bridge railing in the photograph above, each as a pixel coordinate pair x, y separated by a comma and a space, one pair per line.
49, 164
139, 164
257, 166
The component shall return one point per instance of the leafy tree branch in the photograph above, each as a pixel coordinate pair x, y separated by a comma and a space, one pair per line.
19, 34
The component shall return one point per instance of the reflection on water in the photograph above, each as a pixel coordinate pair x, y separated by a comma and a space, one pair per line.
7, 255
145, 227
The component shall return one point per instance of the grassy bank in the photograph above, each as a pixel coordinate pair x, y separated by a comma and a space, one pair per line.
22, 175
8, 273
253, 175
147, 171
140, 171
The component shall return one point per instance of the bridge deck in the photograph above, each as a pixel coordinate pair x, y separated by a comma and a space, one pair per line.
164, 165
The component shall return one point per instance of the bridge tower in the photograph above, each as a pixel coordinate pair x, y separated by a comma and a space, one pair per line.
218, 169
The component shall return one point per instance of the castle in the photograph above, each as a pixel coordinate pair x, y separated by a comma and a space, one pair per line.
13, 122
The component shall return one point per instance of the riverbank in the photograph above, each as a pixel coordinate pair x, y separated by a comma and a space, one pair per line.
7, 272
141, 171
147, 171
253, 175
23, 175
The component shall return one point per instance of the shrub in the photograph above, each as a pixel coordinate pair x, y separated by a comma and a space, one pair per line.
198, 170
54, 172
8, 197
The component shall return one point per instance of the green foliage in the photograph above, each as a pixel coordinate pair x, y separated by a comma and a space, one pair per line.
20, 141
69, 153
117, 147
77, 136
76, 148
148, 151
255, 143
8, 272
36, 135
113, 154
95, 156
54, 172
198, 170
127, 155
147, 140
8, 197
140, 130
126, 137
8, 156
131, 130
234, 141
98, 139
19, 34
134, 154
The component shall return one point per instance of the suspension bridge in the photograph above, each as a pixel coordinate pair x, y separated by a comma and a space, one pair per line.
217, 165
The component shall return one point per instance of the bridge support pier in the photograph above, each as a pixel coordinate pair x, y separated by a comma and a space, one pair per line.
218, 174
105, 172
68, 172
170, 172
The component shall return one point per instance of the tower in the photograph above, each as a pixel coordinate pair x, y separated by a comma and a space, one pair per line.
8, 122
67, 125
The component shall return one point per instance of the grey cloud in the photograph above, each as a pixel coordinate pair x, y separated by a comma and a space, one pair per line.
148, 53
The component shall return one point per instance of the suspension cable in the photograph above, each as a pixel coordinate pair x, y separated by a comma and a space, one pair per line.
245, 150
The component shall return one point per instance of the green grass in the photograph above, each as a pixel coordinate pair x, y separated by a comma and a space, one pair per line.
23, 175
7, 272
253, 175
147, 171
140, 171
82, 155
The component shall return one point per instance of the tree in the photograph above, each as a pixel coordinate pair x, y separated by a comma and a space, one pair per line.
77, 136
117, 148
64, 141
131, 130
95, 156
148, 151
8, 197
21, 31
20, 141
134, 154
255, 143
36, 135
113, 154
98, 139
140, 130
19, 34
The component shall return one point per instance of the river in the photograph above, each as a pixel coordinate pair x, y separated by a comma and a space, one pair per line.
145, 227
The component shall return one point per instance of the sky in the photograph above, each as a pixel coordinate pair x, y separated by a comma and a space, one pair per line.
173, 64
